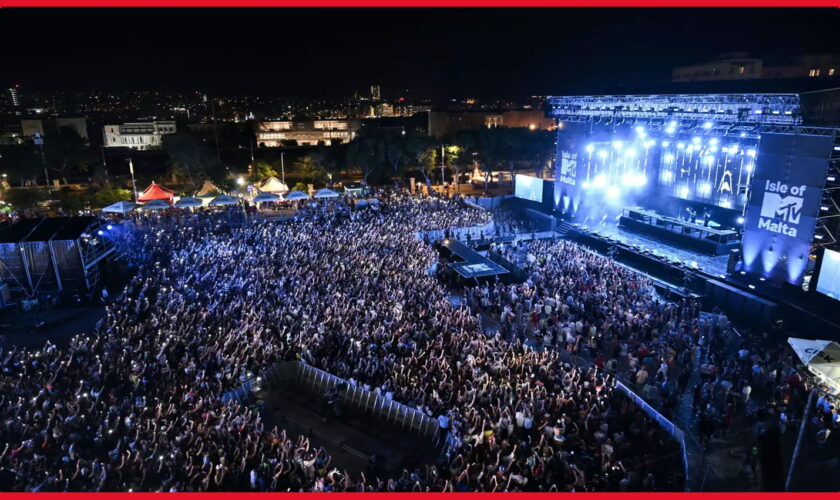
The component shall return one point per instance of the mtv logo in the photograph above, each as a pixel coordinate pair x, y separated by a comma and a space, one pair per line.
787, 208
568, 167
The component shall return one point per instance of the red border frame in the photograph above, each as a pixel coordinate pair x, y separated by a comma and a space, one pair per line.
421, 3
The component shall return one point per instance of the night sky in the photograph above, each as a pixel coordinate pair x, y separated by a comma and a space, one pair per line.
433, 52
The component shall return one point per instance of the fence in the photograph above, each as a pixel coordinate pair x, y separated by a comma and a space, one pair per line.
318, 381
460, 233
675, 432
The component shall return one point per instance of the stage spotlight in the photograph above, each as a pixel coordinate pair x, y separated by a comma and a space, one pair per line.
684, 192
617, 144
751, 153
739, 220
640, 129
673, 124
709, 160
696, 140
613, 192
649, 144
590, 148
586, 185
602, 154
670, 130
742, 134
749, 167
689, 149
100, 232
600, 181
680, 145
713, 149
630, 153
733, 149
726, 204
665, 144
708, 125
669, 158
704, 188
713, 141
109, 227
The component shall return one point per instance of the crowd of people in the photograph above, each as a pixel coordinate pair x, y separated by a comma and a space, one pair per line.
137, 405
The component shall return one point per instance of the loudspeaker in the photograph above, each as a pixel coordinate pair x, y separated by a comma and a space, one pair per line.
734, 258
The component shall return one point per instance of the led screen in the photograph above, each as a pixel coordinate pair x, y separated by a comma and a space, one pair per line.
828, 282
529, 188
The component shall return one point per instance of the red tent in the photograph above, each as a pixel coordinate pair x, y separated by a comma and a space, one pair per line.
156, 192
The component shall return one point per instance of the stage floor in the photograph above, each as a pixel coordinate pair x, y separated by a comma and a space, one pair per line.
711, 264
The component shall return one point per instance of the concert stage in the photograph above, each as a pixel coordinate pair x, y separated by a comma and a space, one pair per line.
706, 239
471, 265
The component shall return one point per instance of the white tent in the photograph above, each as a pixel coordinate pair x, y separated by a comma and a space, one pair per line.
295, 196
155, 205
273, 185
223, 200
326, 193
264, 197
822, 357
120, 207
188, 202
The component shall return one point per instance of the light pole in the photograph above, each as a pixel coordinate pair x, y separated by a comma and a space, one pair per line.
282, 167
442, 164
133, 184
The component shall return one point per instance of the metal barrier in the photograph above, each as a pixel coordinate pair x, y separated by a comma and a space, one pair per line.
319, 381
675, 432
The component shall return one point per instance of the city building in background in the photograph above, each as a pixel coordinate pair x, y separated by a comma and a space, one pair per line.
137, 135
13, 98
444, 123
306, 133
737, 66
44, 126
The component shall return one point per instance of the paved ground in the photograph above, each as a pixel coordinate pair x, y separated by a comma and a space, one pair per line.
350, 439
33, 329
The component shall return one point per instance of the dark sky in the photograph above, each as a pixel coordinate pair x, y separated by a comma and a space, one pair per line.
434, 52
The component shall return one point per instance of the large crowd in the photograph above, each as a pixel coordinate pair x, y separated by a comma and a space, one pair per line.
137, 404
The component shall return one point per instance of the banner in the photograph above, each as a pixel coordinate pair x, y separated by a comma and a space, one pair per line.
785, 198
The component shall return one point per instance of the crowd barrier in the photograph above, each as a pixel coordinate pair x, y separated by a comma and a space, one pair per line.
476, 232
318, 381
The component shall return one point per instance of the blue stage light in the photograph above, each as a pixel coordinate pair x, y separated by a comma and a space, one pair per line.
684, 192
586, 185
100, 232
696, 140
590, 148
665, 144
713, 140
670, 130
708, 125
630, 153
742, 134
709, 160
713, 149
109, 227
751, 153
600, 181
613, 192
649, 144
673, 123
640, 129
669, 158
748, 167
680, 145
704, 188
739, 220
602, 154
617, 144
726, 204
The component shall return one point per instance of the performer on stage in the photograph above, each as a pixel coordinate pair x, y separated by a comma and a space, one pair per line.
707, 217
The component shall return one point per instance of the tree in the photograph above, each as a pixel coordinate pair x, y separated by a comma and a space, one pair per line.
311, 169
190, 159
109, 196
301, 187
366, 154
262, 170
22, 164
66, 152
24, 198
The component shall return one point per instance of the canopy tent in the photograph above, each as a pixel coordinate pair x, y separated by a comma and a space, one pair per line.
155, 205
156, 192
326, 193
223, 200
273, 185
264, 197
208, 190
295, 196
188, 202
822, 357
120, 207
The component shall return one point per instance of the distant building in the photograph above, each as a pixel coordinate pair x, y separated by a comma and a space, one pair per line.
444, 123
10, 134
137, 135
306, 133
739, 67
47, 126
375, 95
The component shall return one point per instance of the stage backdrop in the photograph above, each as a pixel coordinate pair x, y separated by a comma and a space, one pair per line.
784, 204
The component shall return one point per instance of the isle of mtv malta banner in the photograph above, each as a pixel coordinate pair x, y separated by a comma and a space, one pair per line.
785, 197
